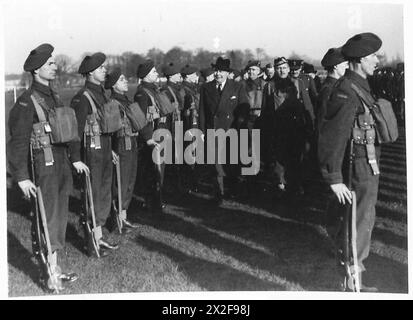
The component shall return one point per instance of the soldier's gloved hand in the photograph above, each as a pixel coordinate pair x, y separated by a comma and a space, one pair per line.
28, 188
115, 157
342, 192
81, 167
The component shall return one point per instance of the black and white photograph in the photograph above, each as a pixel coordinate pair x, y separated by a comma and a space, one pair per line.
204, 150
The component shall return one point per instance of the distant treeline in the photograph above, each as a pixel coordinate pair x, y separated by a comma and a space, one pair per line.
201, 58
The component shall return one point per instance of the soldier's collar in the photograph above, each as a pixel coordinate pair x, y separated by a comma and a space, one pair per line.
362, 82
42, 88
119, 97
95, 87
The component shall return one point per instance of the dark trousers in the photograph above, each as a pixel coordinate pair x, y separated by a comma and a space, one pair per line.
128, 169
365, 185
100, 164
55, 182
153, 176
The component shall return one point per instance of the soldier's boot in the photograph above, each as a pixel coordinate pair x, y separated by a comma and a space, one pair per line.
348, 285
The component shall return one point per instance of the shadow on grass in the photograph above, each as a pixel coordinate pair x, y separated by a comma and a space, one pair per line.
390, 238
20, 258
390, 214
266, 243
17, 204
394, 277
209, 275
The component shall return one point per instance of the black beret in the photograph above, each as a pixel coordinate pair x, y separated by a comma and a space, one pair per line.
207, 72
38, 57
332, 57
90, 63
222, 64
170, 70
112, 77
188, 70
279, 61
361, 45
295, 64
253, 63
308, 68
269, 66
145, 68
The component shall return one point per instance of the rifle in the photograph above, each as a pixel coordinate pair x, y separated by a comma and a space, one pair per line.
350, 218
89, 209
92, 241
119, 209
41, 240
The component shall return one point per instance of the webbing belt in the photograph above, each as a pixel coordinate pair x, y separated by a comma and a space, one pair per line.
47, 149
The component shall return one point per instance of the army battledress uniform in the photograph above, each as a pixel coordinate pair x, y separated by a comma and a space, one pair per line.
55, 180
99, 160
153, 174
191, 121
334, 142
125, 144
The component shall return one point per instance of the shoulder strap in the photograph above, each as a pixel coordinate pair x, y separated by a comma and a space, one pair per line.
89, 95
362, 95
39, 110
151, 97
173, 94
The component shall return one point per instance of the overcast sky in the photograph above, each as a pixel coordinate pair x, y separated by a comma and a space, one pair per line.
116, 26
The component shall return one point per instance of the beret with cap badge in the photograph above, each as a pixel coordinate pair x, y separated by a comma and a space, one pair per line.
188, 70
112, 77
38, 57
361, 45
170, 70
332, 57
90, 63
145, 68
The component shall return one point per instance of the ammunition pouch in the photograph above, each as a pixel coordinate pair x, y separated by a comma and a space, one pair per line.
61, 124
161, 105
136, 116
92, 129
126, 133
364, 133
383, 115
108, 115
41, 140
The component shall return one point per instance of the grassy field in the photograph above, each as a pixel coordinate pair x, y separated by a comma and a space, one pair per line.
257, 243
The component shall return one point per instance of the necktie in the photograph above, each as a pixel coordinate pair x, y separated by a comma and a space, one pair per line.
220, 89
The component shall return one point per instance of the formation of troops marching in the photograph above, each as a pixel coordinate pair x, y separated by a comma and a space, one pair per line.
304, 123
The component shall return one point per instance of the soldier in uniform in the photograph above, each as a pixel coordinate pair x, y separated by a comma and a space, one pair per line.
346, 117
175, 93
269, 72
125, 143
219, 101
303, 89
254, 87
191, 116
309, 74
146, 95
51, 161
336, 65
96, 146
208, 74
270, 103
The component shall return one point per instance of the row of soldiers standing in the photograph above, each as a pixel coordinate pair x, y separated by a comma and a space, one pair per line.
287, 107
